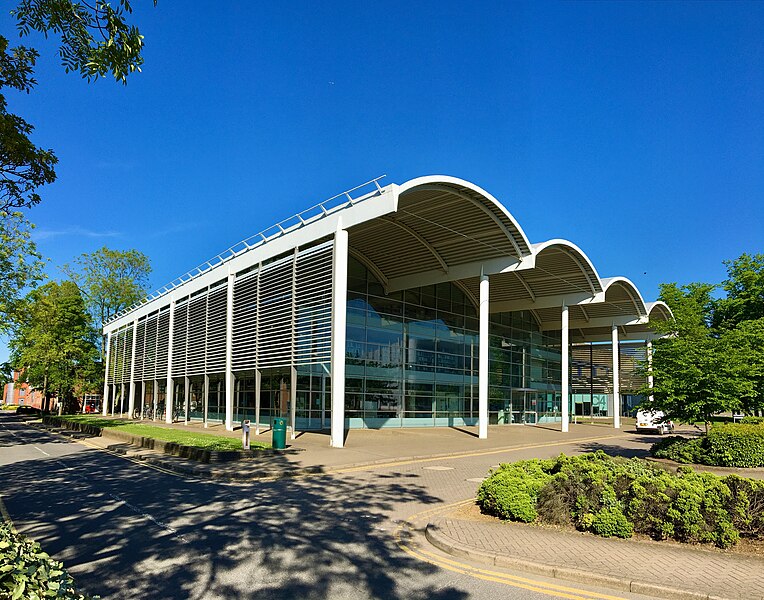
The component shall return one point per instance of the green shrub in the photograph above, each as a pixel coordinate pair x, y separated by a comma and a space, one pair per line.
510, 493
617, 497
28, 572
679, 449
611, 522
752, 420
735, 445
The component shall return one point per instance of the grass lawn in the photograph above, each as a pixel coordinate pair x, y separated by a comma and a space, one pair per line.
194, 439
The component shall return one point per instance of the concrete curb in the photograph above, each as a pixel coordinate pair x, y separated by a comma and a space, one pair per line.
170, 448
623, 584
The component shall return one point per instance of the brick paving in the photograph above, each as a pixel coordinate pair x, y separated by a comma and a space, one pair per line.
711, 572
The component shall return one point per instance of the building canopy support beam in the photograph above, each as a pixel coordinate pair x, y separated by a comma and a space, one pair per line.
339, 319
483, 360
565, 371
616, 380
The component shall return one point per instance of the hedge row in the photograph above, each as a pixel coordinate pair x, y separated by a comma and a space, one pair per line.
725, 445
617, 497
26, 572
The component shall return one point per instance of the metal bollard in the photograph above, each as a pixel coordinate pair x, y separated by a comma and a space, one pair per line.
245, 434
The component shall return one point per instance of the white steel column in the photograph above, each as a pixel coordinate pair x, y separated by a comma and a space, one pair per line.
155, 400
258, 379
339, 321
105, 401
143, 399
187, 398
170, 385
483, 361
113, 398
121, 399
565, 371
650, 368
293, 400
616, 380
131, 400
229, 354
206, 398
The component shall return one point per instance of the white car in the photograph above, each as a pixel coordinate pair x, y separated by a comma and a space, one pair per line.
652, 421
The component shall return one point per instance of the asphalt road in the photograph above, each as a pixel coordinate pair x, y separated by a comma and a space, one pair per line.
125, 530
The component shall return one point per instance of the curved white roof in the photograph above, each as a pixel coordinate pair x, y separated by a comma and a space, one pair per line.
431, 230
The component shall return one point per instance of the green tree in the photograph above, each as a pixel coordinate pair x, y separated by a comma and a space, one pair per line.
21, 265
745, 291
691, 379
54, 342
95, 41
110, 281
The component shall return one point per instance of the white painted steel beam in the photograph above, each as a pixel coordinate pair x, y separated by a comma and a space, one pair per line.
650, 381
131, 401
293, 401
616, 380
105, 400
229, 380
572, 299
456, 272
258, 383
565, 371
339, 320
483, 360
170, 386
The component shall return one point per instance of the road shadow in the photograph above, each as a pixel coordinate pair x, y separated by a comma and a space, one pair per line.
126, 531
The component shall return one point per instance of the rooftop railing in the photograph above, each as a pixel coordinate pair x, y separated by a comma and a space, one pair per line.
309, 215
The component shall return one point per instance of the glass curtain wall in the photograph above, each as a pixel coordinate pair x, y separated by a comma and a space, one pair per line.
412, 359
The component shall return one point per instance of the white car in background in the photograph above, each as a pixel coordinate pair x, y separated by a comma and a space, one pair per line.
652, 421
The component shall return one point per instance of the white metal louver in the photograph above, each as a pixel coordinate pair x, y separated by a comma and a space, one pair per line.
163, 339
282, 311
216, 315
140, 349
195, 335
179, 337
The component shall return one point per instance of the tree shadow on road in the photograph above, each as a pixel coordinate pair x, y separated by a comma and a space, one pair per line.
128, 531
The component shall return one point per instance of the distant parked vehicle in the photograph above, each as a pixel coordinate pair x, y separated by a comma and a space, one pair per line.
25, 409
653, 421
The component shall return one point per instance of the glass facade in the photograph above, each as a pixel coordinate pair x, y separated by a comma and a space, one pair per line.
412, 359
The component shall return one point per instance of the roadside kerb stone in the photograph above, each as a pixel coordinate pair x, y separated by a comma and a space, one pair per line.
437, 533
171, 448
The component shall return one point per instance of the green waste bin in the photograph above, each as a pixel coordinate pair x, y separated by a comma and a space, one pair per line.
279, 434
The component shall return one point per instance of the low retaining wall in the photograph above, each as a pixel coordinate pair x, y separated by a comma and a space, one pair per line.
171, 448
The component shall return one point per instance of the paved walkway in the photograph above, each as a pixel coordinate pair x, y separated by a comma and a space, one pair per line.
663, 570
666, 570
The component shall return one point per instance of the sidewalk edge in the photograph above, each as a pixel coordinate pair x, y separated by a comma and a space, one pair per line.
623, 584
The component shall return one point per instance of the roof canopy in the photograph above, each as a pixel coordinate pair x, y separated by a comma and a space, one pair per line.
439, 229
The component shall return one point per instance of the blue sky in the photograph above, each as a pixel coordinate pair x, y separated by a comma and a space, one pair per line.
635, 130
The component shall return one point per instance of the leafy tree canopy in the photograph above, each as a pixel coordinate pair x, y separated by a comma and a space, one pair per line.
110, 280
54, 341
96, 41
745, 291
20, 264
711, 357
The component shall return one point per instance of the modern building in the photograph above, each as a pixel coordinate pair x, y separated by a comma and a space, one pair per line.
420, 304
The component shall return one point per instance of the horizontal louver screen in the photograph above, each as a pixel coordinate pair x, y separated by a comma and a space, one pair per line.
281, 316
179, 337
216, 315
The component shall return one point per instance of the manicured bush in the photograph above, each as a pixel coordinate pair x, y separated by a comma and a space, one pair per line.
616, 497
511, 492
27, 572
611, 522
735, 445
725, 445
752, 420
679, 449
